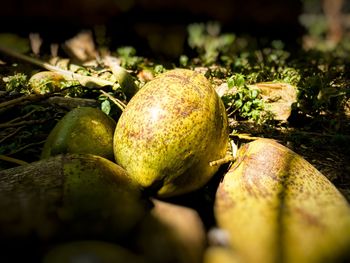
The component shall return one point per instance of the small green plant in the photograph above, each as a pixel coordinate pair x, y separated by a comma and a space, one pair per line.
158, 69
17, 82
128, 58
207, 40
105, 106
183, 61
319, 94
245, 103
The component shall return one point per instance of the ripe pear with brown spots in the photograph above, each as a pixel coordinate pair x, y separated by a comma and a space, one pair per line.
66, 197
170, 131
277, 207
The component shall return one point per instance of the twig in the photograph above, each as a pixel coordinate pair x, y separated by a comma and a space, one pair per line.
22, 117
71, 103
10, 124
117, 102
31, 97
221, 161
12, 160
11, 134
27, 146
68, 75
245, 136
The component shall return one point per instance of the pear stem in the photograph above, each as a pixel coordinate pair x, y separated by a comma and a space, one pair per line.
226, 159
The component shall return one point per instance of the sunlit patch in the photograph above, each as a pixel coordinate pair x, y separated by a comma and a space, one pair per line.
156, 113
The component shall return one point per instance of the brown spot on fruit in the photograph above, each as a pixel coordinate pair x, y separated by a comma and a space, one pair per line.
176, 113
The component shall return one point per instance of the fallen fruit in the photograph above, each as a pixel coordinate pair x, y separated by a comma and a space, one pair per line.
171, 233
170, 131
68, 196
277, 207
91, 251
82, 130
220, 254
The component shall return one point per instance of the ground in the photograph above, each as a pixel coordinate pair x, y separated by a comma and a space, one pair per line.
317, 126
296, 95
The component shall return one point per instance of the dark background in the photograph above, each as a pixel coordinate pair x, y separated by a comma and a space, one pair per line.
134, 22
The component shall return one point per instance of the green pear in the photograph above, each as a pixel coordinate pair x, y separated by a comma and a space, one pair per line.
170, 131
69, 197
82, 130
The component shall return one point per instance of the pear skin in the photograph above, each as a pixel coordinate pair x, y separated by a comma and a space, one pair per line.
170, 131
277, 207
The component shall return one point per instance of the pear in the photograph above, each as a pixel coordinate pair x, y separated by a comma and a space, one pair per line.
171, 233
220, 254
170, 131
277, 207
91, 251
82, 130
71, 196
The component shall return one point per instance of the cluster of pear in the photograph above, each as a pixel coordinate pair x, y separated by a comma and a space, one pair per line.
100, 191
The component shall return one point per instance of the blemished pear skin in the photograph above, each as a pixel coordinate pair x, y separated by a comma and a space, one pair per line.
277, 207
71, 196
170, 131
84, 130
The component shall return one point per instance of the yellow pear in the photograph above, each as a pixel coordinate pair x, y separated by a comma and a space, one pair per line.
170, 131
277, 207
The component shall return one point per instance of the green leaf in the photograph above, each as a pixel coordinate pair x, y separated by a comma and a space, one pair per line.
183, 60
239, 80
238, 104
106, 106
254, 93
126, 51
246, 107
230, 83
17, 82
